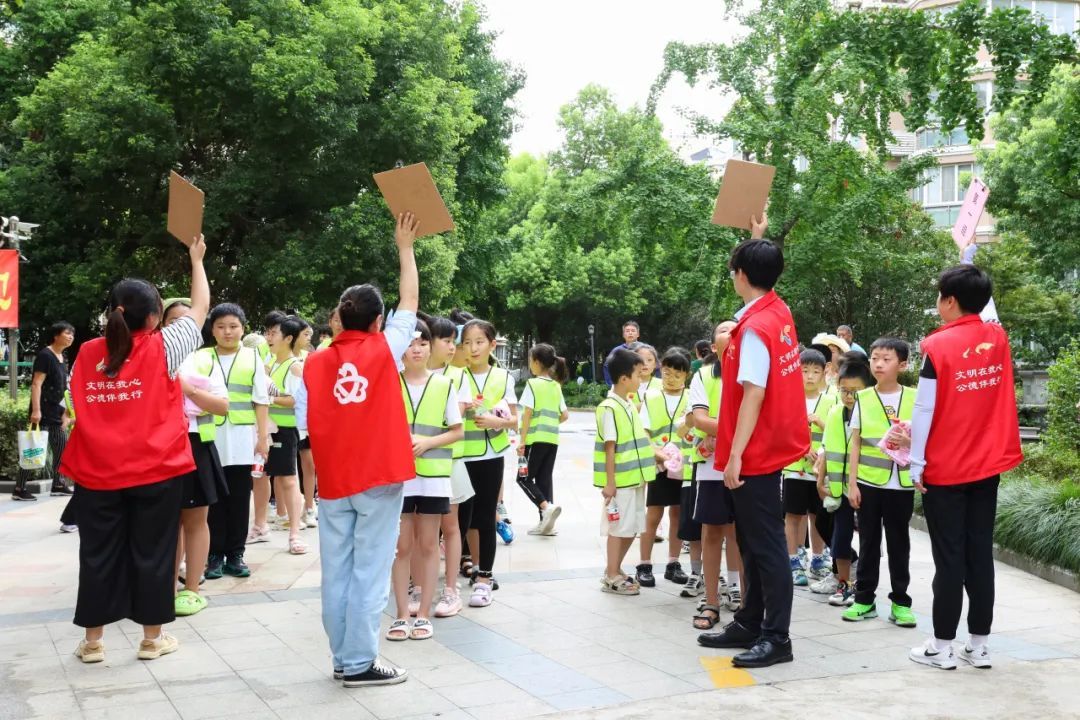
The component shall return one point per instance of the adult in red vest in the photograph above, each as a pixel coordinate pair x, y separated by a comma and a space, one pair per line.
762, 429
350, 404
964, 433
128, 454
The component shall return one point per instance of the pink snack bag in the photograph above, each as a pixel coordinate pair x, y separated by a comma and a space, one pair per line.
202, 383
900, 455
674, 462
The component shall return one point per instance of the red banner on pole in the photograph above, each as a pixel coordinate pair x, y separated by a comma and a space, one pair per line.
9, 289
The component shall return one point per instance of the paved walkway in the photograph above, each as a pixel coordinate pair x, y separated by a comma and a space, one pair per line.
551, 643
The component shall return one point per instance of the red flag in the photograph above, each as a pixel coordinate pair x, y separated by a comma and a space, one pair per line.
9, 288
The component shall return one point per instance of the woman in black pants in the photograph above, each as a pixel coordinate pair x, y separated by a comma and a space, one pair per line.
490, 410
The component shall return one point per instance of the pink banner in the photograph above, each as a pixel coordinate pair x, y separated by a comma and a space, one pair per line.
963, 231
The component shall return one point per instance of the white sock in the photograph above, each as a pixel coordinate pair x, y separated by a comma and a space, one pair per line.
733, 579
941, 645
672, 560
977, 641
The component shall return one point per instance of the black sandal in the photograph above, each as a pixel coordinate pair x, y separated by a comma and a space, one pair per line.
466, 566
709, 619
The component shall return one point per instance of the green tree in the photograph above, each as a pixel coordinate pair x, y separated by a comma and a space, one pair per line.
816, 91
281, 111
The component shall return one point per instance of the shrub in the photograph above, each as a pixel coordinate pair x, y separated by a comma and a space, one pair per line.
1063, 393
13, 418
584, 396
1040, 520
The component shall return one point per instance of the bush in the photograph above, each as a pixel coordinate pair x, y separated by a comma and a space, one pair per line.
13, 418
1040, 520
1050, 461
1063, 393
584, 396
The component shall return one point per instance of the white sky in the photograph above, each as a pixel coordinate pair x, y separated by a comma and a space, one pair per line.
563, 45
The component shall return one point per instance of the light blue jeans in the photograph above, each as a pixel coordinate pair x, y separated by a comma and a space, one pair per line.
358, 537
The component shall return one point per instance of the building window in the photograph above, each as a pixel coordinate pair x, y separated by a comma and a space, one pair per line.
943, 191
984, 94
1060, 17
933, 137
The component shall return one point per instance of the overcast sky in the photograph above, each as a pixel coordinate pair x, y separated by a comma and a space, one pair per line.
563, 45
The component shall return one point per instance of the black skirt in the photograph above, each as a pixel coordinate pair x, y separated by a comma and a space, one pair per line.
206, 484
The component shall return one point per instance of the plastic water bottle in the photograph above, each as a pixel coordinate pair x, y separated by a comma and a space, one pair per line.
523, 467
612, 511
258, 467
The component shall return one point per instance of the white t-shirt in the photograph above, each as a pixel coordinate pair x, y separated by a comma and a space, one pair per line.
236, 443
608, 431
424, 486
217, 386
672, 403
891, 401
466, 396
753, 354
528, 401
700, 399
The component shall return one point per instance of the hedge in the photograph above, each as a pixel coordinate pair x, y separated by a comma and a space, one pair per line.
13, 417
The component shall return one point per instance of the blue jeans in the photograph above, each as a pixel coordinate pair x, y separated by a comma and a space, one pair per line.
358, 537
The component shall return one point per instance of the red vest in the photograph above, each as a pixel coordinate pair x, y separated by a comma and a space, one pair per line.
975, 433
356, 420
781, 435
132, 429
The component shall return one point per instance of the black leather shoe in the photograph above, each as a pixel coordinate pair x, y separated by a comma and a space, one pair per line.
734, 635
644, 575
764, 654
674, 573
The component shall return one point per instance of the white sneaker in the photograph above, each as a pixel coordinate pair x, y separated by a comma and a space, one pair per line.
449, 603
694, 586
978, 657
804, 558
311, 517
414, 600
538, 530
826, 586
69, 528
734, 598
928, 654
481, 595
551, 514
258, 534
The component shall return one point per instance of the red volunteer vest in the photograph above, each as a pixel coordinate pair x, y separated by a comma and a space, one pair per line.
975, 433
781, 435
356, 420
132, 429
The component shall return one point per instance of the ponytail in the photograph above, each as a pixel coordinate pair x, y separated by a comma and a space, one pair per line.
131, 303
555, 365
117, 342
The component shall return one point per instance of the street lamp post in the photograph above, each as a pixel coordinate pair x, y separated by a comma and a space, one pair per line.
13, 233
592, 350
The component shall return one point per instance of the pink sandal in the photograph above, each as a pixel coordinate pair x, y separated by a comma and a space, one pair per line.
297, 546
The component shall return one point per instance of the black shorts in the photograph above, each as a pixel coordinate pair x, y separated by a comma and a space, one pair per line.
282, 459
205, 484
801, 497
305, 444
713, 504
424, 505
663, 491
689, 528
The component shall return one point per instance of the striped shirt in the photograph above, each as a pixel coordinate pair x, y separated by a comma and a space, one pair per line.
181, 338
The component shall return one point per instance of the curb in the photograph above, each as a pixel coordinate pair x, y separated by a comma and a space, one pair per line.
1051, 573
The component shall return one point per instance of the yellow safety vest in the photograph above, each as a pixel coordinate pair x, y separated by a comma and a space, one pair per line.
477, 439
456, 375
206, 422
654, 383
428, 419
822, 406
634, 460
239, 381
663, 426
712, 386
546, 412
836, 451
325, 343
283, 417
875, 467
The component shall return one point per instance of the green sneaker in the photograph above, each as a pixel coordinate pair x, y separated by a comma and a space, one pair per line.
858, 612
902, 616
188, 603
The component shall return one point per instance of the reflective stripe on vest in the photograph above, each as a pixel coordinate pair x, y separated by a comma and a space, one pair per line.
240, 380
456, 375
544, 424
634, 463
663, 427
478, 439
206, 423
822, 406
875, 467
836, 451
282, 416
711, 383
428, 419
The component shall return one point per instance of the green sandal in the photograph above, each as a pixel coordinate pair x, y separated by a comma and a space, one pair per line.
189, 603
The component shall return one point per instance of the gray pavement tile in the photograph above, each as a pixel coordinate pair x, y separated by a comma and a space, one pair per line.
248, 598
299, 695
465, 635
346, 709
405, 701
28, 650
38, 634
197, 707
525, 709
190, 661
115, 670
57, 702
527, 664
460, 673
451, 715
237, 629
208, 684
673, 662
596, 698
419, 654
585, 657
553, 683
1039, 653
286, 674
486, 692
219, 616
238, 645
27, 671
625, 670
492, 649
36, 617
119, 695
663, 687
262, 659
160, 710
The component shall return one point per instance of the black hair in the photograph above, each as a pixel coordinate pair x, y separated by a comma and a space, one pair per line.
291, 326
440, 327
59, 327
632, 323
175, 303
304, 324
545, 355
676, 358
485, 327
638, 345
460, 317
273, 319
225, 310
970, 286
714, 358
702, 349
131, 302
825, 350
360, 306
810, 356
761, 260
622, 363
855, 366
898, 346
423, 329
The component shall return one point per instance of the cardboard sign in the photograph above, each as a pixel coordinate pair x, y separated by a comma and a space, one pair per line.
743, 193
411, 189
963, 231
185, 209
9, 288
